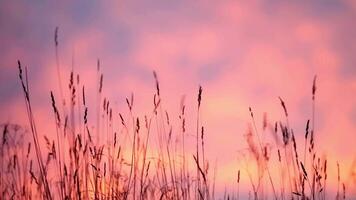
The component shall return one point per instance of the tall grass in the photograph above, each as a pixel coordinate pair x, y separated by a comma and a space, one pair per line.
145, 157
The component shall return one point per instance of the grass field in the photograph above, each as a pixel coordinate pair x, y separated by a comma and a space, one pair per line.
131, 157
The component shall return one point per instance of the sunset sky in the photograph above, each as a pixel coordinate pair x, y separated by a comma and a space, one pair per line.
243, 53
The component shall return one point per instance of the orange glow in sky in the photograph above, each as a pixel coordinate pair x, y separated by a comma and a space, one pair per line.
243, 53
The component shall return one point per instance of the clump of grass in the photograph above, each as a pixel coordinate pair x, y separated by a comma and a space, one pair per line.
95, 169
304, 181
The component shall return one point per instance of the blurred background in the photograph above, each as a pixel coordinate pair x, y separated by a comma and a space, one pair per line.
243, 53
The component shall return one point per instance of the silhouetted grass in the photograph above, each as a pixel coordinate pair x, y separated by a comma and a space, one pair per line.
78, 165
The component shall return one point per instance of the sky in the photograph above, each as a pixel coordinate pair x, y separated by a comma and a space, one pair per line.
243, 53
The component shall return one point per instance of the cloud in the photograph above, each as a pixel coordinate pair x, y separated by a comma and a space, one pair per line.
242, 53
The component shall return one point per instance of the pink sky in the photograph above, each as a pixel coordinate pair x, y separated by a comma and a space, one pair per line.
243, 53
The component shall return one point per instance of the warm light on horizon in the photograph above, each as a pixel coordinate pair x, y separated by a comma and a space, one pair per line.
244, 54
